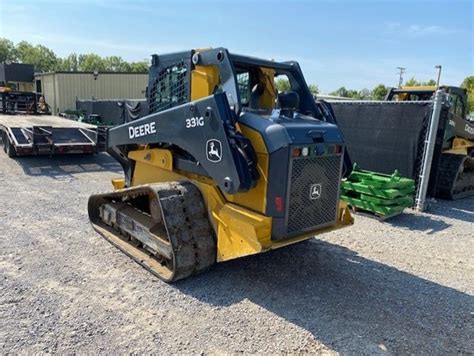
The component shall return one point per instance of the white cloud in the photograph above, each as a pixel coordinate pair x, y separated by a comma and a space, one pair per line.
392, 26
417, 30
105, 44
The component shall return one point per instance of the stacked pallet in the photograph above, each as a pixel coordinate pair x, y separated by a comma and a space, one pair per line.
376, 193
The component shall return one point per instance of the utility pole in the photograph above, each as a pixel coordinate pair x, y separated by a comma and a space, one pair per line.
400, 79
438, 67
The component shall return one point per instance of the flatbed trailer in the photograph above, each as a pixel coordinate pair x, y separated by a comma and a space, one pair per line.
26, 135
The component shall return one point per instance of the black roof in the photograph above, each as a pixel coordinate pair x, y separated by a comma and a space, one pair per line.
16, 72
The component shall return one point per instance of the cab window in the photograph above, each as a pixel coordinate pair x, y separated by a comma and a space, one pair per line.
243, 81
458, 105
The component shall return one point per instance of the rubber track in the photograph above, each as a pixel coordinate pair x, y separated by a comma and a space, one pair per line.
449, 179
186, 222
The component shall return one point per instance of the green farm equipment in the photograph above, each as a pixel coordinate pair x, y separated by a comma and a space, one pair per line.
380, 194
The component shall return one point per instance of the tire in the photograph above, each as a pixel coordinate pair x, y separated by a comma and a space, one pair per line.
4, 142
8, 147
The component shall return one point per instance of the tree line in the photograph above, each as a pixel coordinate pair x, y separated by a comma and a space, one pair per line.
377, 93
284, 85
45, 60
380, 91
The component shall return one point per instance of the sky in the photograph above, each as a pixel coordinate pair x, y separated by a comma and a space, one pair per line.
356, 44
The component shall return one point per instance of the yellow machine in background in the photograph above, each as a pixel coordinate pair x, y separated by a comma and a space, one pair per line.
456, 167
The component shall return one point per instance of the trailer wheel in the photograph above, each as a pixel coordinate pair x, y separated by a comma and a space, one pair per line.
4, 144
8, 147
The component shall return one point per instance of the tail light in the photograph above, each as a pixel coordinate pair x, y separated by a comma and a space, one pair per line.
296, 152
279, 204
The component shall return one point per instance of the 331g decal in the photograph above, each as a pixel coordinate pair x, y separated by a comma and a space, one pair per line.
194, 122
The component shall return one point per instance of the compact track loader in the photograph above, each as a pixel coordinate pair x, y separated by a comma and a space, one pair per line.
455, 177
223, 166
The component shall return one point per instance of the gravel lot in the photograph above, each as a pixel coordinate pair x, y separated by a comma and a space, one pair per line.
403, 286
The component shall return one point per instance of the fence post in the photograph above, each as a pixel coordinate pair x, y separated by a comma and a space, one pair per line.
430, 140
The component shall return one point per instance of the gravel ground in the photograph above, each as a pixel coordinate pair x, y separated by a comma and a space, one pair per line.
403, 286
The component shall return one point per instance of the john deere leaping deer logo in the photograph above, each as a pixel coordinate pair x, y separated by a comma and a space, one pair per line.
214, 150
315, 191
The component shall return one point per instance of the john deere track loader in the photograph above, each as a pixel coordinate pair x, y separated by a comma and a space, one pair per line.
455, 176
223, 166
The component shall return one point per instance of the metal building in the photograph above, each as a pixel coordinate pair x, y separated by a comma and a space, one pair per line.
62, 89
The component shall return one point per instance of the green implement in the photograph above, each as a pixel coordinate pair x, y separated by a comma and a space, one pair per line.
380, 194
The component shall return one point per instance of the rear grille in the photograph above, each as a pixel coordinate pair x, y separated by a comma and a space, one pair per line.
313, 193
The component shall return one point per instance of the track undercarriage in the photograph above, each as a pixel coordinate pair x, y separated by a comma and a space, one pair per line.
455, 176
163, 227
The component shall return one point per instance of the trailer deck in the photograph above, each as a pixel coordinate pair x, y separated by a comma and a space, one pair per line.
48, 135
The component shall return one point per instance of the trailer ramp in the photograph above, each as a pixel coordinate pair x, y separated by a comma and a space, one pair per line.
25, 135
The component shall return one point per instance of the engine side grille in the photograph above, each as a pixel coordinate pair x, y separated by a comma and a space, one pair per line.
313, 192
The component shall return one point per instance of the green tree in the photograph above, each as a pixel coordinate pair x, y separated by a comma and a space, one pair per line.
363, 94
468, 83
116, 64
91, 62
412, 82
353, 94
45, 60
342, 91
139, 67
346, 93
379, 92
69, 63
7, 50
40, 56
282, 84
314, 89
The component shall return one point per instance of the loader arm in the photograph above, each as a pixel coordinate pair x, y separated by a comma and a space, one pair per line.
205, 130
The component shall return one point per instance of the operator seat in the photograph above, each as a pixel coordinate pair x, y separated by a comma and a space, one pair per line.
288, 102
